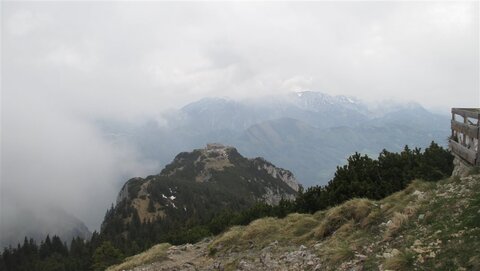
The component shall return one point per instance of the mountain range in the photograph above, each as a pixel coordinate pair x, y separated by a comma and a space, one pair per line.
310, 133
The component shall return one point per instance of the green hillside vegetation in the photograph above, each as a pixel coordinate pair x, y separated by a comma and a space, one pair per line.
361, 177
185, 202
431, 226
427, 226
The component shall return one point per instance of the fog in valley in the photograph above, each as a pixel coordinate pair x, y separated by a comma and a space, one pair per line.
95, 93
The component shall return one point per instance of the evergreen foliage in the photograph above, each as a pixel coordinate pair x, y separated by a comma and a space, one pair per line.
106, 255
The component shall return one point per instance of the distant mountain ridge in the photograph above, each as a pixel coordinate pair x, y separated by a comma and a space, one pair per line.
310, 133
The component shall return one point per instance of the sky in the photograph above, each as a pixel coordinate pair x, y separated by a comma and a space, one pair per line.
66, 64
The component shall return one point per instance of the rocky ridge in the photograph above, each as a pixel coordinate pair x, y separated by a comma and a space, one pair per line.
199, 183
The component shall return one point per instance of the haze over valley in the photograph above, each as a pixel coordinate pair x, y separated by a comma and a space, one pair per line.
308, 132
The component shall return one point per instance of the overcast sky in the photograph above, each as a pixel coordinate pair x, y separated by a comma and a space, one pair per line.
67, 63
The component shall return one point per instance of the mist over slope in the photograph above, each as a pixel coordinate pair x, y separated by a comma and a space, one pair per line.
310, 133
37, 222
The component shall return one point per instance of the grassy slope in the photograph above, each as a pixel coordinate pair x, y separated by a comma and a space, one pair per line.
155, 253
428, 226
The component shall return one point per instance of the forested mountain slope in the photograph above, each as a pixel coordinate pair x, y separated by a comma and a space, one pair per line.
191, 190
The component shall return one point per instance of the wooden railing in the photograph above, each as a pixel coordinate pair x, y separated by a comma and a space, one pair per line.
464, 141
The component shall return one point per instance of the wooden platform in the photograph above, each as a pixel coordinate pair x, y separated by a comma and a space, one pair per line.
465, 138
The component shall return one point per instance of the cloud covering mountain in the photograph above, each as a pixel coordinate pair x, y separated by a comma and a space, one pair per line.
307, 132
71, 71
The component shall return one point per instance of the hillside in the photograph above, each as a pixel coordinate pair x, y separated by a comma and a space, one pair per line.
192, 189
427, 226
194, 198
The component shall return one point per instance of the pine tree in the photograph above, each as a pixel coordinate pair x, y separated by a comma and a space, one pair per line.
151, 206
105, 256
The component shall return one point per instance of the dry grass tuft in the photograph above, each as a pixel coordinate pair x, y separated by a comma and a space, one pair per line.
261, 228
373, 217
295, 228
338, 252
361, 208
354, 210
300, 227
154, 254
398, 220
402, 261
345, 229
319, 215
232, 236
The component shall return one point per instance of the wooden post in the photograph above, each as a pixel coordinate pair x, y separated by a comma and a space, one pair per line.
478, 141
453, 131
464, 143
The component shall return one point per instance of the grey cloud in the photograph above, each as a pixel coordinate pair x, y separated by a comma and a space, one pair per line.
67, 64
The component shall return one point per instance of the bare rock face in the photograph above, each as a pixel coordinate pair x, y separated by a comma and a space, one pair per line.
285, 175
272, 197
123, 194
461, 168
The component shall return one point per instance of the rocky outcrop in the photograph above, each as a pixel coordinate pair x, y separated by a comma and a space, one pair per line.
193, 182
285, 175
272, 197
123, 194
461, 168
